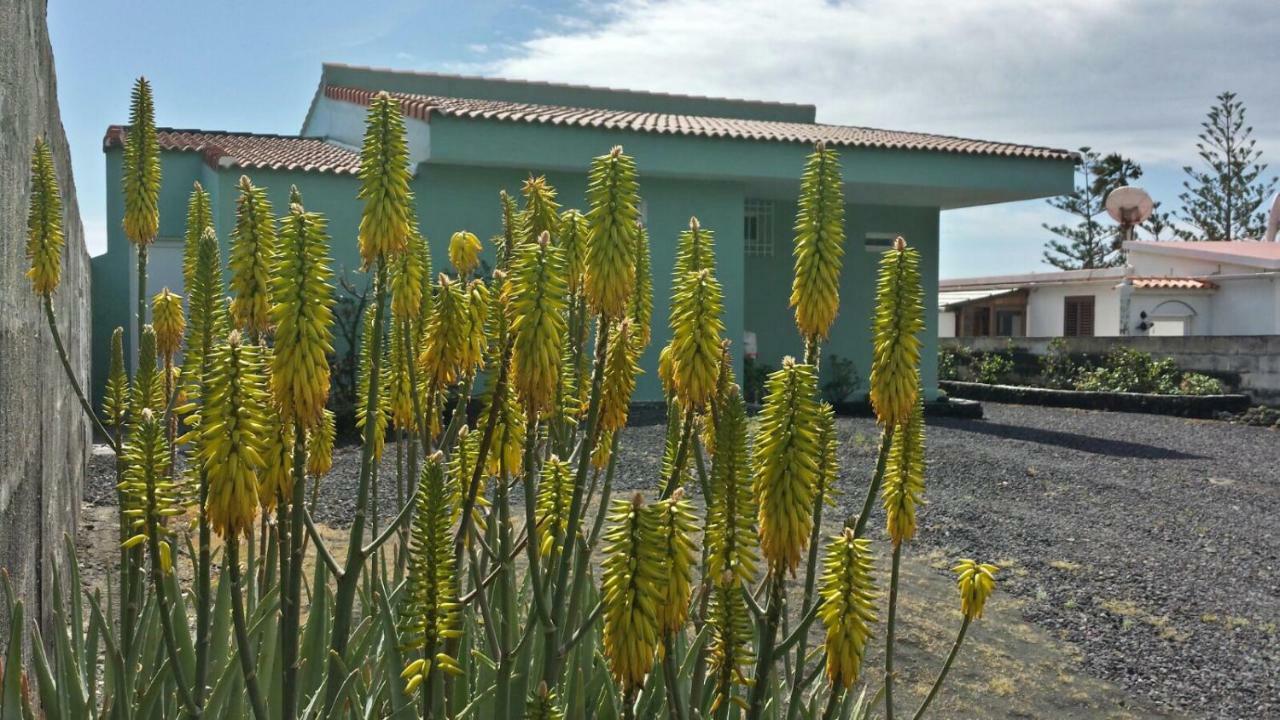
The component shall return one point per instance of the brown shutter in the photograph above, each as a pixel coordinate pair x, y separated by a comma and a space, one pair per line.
1077, 320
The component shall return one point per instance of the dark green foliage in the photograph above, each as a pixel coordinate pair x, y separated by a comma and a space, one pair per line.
1224, 201
843, 381
1093, 241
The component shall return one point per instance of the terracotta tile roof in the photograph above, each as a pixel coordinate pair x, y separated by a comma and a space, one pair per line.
1171, 283
252, 150
423, 107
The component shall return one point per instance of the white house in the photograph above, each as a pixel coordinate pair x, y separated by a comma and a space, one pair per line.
1167, 288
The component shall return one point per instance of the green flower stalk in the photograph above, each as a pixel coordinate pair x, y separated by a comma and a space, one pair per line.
540, 209
512, 229
302, 314
169, 322
786, 464
848, 606
899, 318
819, 245
275, 479
574, 231
460, 469
536, 304
552, 513
372, 344
677, 525
610, 264
233, 423
431, 609
976, 581
409, 272
206, 311
400, 389
141, 168
116, 394
199, 217
696, 328
44, 222
151, 495
464, 253
476, 343
730, 535
253, 256
904, 476
386, 222
320, 446
148, 380
642, 301
620, 372
695, 251
633, 586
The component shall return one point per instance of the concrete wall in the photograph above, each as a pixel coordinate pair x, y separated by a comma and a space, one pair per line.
44, 436
1254, 359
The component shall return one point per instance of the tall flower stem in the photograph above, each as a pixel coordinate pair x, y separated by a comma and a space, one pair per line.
769, 634
889, 633
348, 582
946, 667
71, 376
886, 441
291, 606
248, 663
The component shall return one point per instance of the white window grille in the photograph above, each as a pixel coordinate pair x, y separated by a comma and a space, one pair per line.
757, 228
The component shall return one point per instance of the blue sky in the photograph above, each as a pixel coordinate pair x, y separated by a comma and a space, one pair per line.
1135, 77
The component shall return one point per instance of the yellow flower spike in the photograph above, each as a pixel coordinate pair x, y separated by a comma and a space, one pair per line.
385, 222
302, 314
540, 209
431, 610
232, 425
542, 705
786, 469
115, 396
574, 231
976, 581
610, 264
819, 245
275, 480
731, 540
141, 168
369, 345
206, 309
554, 494
642, 301
512, 229
400, 390
148, 493
667, 370
620, 372
445, 335
899, 318
536, 303
169, 322
696, 327
677, 525
904, 476
507, 453
199, 217
603, 451
461, 468
464, 252
848, 606
320, 446
408, 276
476, 341
632, 586
253, 256
148, 380
695, 250
729, 650
44, 222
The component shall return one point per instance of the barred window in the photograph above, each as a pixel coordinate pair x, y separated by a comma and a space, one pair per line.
757, 228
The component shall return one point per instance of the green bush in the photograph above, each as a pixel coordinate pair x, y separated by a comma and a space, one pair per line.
844, 380
1129, 370
995, 368
1057, 369
951, 360
1194, 383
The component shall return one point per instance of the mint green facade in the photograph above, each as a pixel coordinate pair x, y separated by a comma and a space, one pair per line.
463, 164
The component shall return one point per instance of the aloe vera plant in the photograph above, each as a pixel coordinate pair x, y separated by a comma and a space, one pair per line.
520, 586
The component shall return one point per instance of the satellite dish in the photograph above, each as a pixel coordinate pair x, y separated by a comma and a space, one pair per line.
1273, 219
1129, 205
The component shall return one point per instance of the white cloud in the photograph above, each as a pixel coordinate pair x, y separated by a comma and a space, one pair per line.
1135, 77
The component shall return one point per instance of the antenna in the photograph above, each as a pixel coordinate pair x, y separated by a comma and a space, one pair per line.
1273, 219
1129, 206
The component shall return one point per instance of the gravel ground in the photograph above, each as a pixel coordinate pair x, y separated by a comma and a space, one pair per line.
1151, 543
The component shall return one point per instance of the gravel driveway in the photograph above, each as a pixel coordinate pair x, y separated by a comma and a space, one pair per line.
1151, 543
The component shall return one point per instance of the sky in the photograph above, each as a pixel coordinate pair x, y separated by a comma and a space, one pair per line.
1134, 77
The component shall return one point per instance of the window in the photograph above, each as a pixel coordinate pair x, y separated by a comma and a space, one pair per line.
1077, 320
878, 242
757, 228
1009, 323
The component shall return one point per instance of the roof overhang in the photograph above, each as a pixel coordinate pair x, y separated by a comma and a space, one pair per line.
1202, 251
954, 299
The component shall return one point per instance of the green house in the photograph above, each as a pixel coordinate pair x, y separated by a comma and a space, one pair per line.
735, 164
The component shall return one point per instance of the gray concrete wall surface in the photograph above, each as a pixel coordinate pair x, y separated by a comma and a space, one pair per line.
44, 435
1250, 362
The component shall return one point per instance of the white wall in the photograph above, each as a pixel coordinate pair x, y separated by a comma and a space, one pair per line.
946, 324
343, 122
1046, 304
1147, 264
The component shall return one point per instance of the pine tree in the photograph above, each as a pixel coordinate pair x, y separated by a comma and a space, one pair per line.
1160, 225
1091, 242
1224, 201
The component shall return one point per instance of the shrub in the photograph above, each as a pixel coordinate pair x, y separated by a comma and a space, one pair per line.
844, 380
994, 368
1057, 369
1194, 383
952, 361
1127, 370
